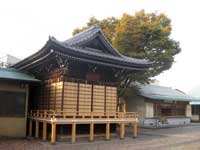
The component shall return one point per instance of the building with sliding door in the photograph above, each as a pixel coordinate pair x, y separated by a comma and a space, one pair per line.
160, 106
14, 95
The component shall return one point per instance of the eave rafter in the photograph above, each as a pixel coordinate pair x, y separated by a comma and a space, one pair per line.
64, 52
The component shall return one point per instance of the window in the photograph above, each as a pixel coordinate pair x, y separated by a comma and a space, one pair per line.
167, 109
195, 109
166, 112
12, 104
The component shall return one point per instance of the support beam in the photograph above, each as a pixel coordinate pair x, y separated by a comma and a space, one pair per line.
36, 128
30, 127
135, 130
91, 139
73, 132
53, 133
122, 130
44, 131
107, 131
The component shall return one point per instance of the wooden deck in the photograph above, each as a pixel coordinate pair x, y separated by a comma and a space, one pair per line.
61, 117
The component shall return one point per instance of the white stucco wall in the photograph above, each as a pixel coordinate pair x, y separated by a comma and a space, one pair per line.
149, 110
188, 110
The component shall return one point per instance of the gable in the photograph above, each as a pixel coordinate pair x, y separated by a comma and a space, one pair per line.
93, 38
89, 46
97, 45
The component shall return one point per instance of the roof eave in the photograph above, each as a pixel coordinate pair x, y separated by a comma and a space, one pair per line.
167, 98
134, 65
25, 80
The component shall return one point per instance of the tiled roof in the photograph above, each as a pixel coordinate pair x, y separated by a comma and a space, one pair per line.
93, 53
89, 34
83, 36
156, 92
13, 74
79, 47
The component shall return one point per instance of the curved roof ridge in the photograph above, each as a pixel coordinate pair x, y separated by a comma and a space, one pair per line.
78, 44
89, 52
90, 34
83, 35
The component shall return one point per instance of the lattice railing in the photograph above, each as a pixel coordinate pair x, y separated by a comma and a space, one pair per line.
51, 114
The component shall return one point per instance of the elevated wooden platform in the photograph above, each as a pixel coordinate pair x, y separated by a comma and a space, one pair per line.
61, 117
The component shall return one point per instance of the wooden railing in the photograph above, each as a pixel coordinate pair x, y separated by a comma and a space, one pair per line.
55, 117
55, 114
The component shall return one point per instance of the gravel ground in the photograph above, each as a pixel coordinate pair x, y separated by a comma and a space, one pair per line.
181, 138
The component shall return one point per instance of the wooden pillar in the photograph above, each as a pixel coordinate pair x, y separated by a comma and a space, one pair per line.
53, 133
122, 130
107, 131
91, 132
124, 107
78, 92
73, 132
36, 128
30, 127
92, 95
135, 130
44, 131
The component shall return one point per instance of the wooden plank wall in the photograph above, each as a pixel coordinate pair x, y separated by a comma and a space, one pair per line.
85, 97
70, 96
51, 95
98, 98
81, 97
111, 99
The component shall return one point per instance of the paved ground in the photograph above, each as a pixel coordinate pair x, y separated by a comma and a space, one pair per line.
182, 138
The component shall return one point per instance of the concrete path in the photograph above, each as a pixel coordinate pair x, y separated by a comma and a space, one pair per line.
181, 138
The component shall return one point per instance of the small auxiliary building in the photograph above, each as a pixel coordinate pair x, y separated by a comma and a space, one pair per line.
79, 82
14, 94
160, 106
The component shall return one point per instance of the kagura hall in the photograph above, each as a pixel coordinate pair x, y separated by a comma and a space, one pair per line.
68, 88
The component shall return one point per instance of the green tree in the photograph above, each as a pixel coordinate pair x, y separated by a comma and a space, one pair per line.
142, 35
147, 36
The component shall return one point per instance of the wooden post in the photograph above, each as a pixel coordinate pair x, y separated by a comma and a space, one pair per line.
30, 127
92, 95
122, 130
107, 131
36, 128
135, 130
44, 131
124, 107
53, 133
91, 132
73, 132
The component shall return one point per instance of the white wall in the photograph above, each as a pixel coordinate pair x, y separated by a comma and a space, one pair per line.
188, 110
149, 110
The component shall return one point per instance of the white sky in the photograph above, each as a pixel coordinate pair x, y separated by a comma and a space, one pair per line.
25, 26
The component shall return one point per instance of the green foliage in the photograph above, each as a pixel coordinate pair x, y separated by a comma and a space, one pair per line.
147, 36
142, 35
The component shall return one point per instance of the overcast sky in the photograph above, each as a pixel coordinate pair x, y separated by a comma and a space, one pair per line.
25, 26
